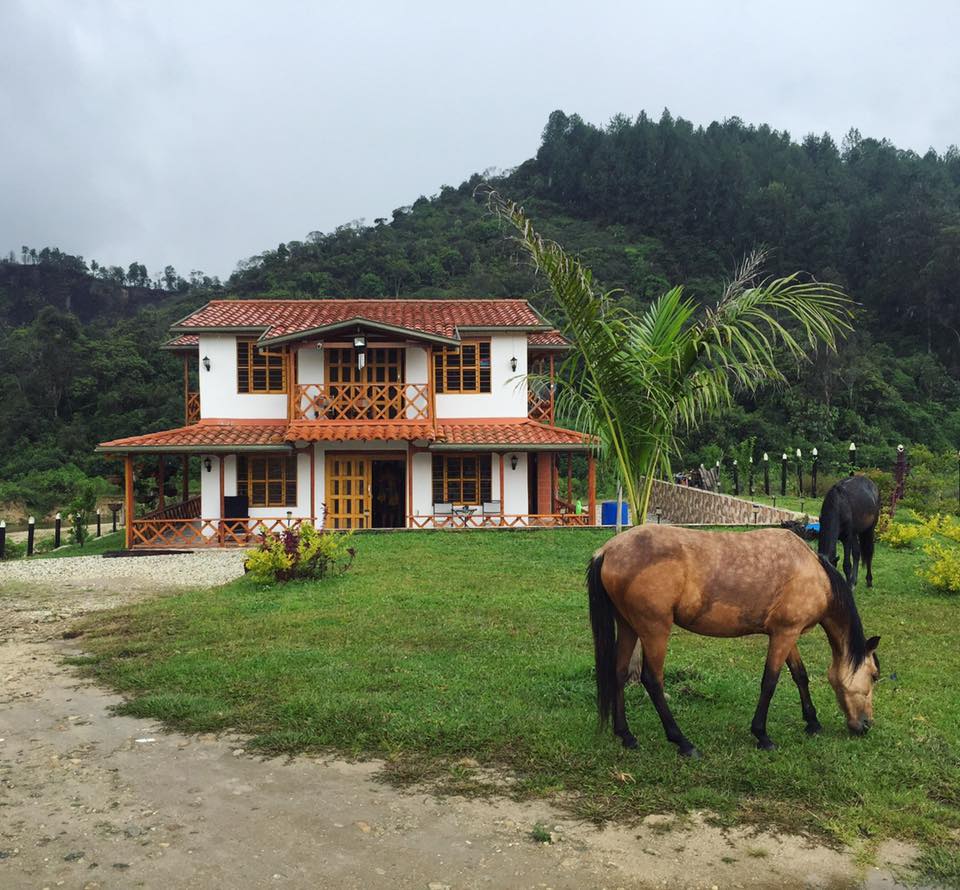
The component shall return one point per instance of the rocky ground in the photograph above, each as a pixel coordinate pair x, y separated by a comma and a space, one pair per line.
89, 800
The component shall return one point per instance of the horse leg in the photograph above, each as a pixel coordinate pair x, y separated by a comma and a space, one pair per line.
651, 676
777, 652
855, 547
626, 642
866, 547
799, 674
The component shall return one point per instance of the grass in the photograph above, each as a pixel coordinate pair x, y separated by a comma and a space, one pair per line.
440, 650
93, 547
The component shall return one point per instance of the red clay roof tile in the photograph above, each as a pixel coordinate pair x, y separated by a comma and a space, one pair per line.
509, 432
339, 431
215, 434
547, 338
281, 318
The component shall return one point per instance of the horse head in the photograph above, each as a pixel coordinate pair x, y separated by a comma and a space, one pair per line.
853, 685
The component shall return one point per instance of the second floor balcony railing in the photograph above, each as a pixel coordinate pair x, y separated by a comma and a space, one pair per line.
361, 401
540, 404
192, 407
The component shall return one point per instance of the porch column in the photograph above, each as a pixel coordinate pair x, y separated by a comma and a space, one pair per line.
503, 499
592, 488
186, 478
221, 525
569, 477
553, 421
186, 389
128, 500
544, 483
555, 486
161, 480
313, 483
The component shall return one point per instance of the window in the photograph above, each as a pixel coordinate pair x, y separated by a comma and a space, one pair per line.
268, 481
463, 369
260, 370
461, 479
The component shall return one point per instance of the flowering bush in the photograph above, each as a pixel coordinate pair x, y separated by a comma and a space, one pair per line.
943, 571
948, 526
307, 553
901, 536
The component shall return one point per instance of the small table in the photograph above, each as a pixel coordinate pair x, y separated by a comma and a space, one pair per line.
464, 512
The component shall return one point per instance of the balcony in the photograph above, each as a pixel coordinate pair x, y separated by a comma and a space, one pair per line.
361, 401
192, 407
540, 404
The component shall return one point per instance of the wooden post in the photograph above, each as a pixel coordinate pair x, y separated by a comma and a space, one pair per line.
186, 390
408, 521
57, 525
3, 539
431, 386
569, 477
128, 508
161, 480
185, 485
31, 529
592, 488
503, 499
221, 525
291, 382
554, 480
553, 421
313, 483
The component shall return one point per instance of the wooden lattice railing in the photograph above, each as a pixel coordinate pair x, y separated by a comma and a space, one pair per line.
539, 406
495, 520
188, 509
362, 401
192, 407
178, 534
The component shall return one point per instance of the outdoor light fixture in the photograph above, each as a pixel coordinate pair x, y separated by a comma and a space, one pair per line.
207, 464
513, 461
360, 345
756, 514
206, 363
766, 456
659, 513
814, 452
513, 363
289, 515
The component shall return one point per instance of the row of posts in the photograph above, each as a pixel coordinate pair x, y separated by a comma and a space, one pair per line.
784, 472
57, 532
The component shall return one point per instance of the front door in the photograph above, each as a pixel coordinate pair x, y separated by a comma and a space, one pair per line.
348, 491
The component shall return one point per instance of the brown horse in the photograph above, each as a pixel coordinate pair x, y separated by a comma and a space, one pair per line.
723, 584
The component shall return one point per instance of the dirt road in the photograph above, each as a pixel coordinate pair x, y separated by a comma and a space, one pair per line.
89, 800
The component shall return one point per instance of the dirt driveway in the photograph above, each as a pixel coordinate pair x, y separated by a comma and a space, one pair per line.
90, 800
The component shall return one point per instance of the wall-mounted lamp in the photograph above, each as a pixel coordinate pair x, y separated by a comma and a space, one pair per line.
513, 363
360, 345
206, 363
513, 461
207, 464
289, 515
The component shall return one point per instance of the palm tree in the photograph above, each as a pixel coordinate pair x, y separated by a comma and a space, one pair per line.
637, 382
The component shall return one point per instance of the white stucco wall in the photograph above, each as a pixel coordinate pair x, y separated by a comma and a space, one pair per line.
218, 386
310, 364
210, 488
515, 484
508, 389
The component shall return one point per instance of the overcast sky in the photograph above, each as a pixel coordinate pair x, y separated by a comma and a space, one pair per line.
199, 133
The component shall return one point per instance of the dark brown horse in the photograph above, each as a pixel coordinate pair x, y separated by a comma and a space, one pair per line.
723, 584
849, 514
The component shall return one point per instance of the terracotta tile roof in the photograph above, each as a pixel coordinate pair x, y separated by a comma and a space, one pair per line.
283, 318
211, 434
182, 343
548, 339
509, 432
313, 431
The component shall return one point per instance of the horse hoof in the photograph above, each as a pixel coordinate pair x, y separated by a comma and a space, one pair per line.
629, 740
869, 582
813, 729
766, 745
691, 752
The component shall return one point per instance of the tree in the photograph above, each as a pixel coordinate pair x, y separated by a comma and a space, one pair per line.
636, 382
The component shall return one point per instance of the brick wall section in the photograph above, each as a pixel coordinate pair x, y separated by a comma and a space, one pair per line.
680, 504
544, 482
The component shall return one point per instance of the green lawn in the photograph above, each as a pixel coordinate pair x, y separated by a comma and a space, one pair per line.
437, 647
93, 547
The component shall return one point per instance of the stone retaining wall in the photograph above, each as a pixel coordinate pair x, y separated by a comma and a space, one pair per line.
680, 504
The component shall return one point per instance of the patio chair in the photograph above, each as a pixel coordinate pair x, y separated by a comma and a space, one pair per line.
442, 514
489, 511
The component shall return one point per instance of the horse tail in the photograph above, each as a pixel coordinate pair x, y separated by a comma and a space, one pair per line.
603, 622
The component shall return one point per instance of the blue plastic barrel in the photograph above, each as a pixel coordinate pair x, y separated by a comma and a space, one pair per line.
608, 513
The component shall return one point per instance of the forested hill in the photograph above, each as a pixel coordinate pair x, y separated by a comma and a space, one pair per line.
647, 204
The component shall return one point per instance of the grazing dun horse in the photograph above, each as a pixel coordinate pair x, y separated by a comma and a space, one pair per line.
723, 584
849, 514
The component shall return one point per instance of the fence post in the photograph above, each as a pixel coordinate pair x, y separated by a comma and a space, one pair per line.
736, 478
31, 522
853, 458
750, 477
766, 474
799, 473
56, 531
783, 476
813, 473
3, 539
98, 522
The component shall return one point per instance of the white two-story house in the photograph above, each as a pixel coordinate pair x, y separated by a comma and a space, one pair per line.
359, 414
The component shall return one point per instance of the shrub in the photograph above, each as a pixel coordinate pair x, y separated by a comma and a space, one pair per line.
948, 526
293, 555
943, 571
901, 536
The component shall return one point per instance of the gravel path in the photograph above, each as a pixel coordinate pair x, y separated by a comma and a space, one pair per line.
205, 568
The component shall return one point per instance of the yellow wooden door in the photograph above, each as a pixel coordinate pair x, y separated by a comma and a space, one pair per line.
348, 491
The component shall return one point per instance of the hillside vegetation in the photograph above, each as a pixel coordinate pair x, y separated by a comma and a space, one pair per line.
645, 203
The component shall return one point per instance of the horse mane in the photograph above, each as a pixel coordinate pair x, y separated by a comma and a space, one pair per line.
843, 603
